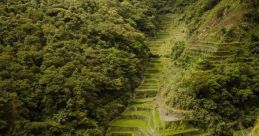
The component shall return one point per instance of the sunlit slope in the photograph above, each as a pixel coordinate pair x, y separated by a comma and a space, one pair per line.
143, 116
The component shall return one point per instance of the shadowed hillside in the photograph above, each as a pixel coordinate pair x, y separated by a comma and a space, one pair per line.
68, 67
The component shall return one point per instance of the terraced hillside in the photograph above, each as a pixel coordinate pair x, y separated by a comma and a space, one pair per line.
216, 53
214, 75
206, 57
202, 74
146, 116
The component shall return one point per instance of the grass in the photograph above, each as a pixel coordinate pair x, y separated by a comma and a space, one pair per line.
133, 123
146, 90
124, 133
151, 75
136, 123
143, 94
177, 132
142, 105
151, 81
157, 119
148, 87
148, 114
204, 134
144, 100
243, 132
150, 84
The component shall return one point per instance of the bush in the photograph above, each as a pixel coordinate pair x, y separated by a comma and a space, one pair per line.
177, 50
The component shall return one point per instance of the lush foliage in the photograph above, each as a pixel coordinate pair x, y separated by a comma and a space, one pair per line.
68, 67
220, 87
222, 99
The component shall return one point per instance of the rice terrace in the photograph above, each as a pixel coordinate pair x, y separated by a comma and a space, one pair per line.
129, 68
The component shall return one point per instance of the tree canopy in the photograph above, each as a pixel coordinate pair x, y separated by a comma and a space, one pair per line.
67, 67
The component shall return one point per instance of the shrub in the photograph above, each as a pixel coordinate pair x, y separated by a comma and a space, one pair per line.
177, 50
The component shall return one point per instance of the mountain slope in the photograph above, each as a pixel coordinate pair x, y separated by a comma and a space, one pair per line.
145, 115
68, 67
218, 77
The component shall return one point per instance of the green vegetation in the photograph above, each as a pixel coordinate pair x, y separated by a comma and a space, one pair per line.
219, 76
69, 67
125, 133
146, 105
245, 132
129, 123
157, 119
177, 132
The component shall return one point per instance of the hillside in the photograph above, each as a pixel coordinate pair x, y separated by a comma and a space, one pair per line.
210, 85
145, 115
129, 67
218, 80
69, 67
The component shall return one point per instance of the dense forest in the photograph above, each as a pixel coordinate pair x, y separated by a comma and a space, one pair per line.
70, 67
